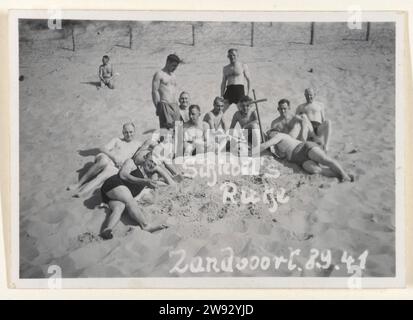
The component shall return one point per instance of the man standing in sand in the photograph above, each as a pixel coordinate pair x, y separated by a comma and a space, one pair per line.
307, 155
164, 93
184, 105
232, 85
108, 161
297, 127
314, 111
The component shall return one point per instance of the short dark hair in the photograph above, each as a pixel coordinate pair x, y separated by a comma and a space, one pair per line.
284, 101
232, 50
245, 99
105, 57
194, 106
173, 58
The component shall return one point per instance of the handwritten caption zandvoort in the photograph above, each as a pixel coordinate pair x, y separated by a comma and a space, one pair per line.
317, 259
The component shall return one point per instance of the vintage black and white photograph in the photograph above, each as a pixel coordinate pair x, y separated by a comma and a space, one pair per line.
207, 149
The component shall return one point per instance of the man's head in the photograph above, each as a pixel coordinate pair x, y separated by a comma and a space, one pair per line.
105, 59
172, 62
309, 94
283, 107
244, 104
232, 55
128, 131
219, 104
194, 112
184, 100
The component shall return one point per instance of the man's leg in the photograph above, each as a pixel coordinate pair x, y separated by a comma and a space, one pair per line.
110, 83
93, 184
101, 161
313, 168
324, 132
117, 208
318, 155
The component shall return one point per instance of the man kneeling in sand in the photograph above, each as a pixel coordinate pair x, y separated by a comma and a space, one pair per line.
308, 155
195, 132
315, 112
108, 161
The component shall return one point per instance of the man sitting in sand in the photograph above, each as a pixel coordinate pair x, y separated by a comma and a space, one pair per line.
247, 118
108, 161
296, 126
233, 75
309, 155
195, 132
215, 117
184, 105
315, 112
106, 74
164, 93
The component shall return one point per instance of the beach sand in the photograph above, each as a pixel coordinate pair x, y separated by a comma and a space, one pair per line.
64, 118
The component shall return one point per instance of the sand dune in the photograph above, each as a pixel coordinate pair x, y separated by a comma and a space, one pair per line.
63, 118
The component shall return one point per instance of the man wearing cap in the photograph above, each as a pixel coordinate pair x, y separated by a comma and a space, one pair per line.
164, 93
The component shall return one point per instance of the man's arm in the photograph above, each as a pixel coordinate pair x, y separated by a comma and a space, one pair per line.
234, 120
247, 78
223, 82
108, 149
156, 81
322, 111
101, 73
125, 174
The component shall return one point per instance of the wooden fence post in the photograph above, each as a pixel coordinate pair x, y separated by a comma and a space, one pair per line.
368, 31
73, 39
252, 34
312, 33
130, 38
193, 35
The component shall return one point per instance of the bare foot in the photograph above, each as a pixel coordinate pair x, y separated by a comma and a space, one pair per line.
347, 178
155, 228
107, 234
72, 187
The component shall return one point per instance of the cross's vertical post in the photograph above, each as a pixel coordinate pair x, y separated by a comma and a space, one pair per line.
193, 35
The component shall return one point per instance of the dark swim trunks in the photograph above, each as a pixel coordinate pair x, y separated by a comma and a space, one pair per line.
234, 93
168, 113
115, 181
315, 125
300, 153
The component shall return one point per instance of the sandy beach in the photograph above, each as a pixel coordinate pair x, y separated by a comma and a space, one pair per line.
64, 118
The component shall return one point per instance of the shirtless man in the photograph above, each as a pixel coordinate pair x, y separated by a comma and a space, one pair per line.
296, 126
315, 112
195, 132
214, 118
308, 155
232, 85
108, 161
247, 118
106, 74
164, 93
184, 105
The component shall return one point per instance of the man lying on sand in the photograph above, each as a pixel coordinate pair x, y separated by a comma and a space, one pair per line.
214, 118
120, 190
106, 74
247, 118
308, 155
164, 93
233, 75
297, 127
315, 112
195, 132
108, 161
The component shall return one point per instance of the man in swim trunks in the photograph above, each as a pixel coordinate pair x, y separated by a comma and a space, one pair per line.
308, 155
108, 161
315, 112
164, 93
233, 75
184, 105
247, 118
288, 122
